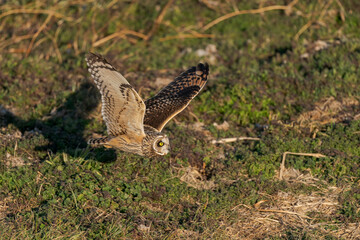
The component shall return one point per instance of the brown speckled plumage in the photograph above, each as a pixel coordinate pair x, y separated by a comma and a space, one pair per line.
176, 96
134, 126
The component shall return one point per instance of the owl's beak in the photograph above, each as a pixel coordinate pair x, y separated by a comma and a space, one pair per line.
168, 150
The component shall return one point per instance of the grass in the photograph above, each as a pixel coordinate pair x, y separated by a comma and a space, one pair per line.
298, 95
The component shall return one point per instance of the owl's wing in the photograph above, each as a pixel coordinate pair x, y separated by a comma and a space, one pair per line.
122, 108
176, 96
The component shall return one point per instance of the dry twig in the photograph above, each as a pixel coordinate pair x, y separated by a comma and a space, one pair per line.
234, 139
54, 41
158, 20
36, 11
14, 39
313, 20
282, 167
182, 36
120, 34
303, 29
342, 10
42, 27
284, 212
251, 11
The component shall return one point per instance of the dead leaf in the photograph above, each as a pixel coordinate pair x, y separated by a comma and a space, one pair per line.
224, 126
194, 179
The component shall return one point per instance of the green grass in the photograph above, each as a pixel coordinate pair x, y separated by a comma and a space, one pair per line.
260, 83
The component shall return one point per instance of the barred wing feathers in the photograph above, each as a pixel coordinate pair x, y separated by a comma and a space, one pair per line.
122, 108
175, 97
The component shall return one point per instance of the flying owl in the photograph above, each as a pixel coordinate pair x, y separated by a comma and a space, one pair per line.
132, 124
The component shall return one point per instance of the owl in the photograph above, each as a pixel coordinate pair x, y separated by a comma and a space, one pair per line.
134, 125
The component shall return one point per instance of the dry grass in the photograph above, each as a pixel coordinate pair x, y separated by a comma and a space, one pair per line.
14, 161
34, 33
252, 11
4, 206
277, 213
330, 111
282, 166
184, 234
193, 178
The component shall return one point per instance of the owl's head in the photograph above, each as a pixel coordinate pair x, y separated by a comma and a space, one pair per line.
155, 143
161, 145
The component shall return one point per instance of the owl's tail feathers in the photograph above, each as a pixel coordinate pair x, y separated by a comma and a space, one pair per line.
99, 141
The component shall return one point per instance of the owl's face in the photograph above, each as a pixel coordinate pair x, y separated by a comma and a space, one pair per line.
161, 145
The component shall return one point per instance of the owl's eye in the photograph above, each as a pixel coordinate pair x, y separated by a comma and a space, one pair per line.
160, 143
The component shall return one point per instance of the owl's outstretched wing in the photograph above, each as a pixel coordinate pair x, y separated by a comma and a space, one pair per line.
176, 96
122, 108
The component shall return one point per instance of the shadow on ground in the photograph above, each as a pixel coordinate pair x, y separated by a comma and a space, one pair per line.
64, 127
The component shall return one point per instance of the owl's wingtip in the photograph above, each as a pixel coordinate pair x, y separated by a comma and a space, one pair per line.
206, 67
203, 68
91, 57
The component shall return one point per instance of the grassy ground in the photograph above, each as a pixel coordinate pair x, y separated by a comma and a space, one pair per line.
290, 77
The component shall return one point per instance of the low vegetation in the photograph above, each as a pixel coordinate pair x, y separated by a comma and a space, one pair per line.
286, 72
